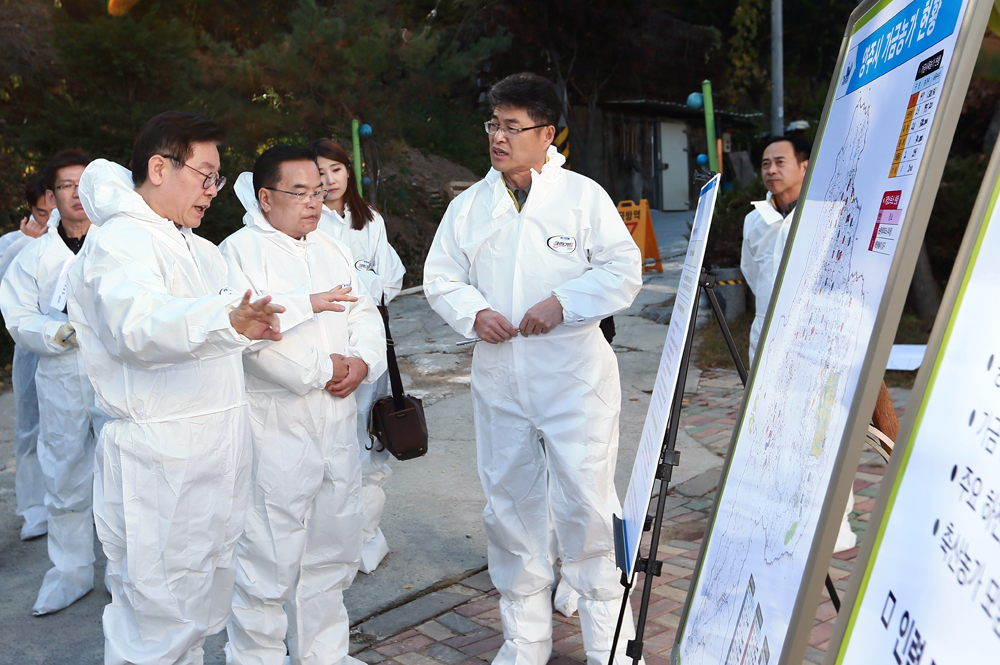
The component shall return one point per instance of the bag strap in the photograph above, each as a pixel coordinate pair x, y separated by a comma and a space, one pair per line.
395, 380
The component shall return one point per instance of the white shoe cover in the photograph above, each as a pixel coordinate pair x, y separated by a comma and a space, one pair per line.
566, 599
36, 522
373, 552
527, 630
598, 619
60, 590
71, 549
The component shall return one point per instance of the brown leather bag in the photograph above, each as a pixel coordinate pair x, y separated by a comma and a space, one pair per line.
398, 421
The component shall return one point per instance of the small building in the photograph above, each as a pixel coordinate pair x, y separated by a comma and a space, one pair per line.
647, 149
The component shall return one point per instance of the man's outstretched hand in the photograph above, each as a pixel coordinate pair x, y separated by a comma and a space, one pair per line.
327, 301
492, 327
257, 320
353, 371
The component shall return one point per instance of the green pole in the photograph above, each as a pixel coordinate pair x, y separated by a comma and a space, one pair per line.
357, 154
706, 93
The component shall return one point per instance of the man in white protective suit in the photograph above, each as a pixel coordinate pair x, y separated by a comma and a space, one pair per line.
530, 260
162, 335
33, 300
29, 483
302, 542
765, 230
347, 217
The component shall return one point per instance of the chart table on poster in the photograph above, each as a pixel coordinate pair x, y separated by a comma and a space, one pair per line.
919, 112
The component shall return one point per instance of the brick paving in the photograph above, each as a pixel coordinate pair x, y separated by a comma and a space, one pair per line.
471, 633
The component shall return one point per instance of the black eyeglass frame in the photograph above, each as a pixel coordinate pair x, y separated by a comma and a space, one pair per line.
513, 131
210, 178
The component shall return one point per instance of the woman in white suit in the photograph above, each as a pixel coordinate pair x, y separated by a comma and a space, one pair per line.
353, 221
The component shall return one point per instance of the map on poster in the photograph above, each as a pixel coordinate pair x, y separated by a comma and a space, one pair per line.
796, 411
644, 469
931, 588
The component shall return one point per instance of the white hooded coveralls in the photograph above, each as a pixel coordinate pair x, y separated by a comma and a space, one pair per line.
765, 233
382, 272
68, 419
29, 482
151, 304
546, 406
303, 531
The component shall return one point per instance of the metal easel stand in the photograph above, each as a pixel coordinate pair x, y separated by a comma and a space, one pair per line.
669, 458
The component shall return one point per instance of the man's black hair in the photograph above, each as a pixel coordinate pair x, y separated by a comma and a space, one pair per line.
800, 146
62, 159
172, 134
531, 92
34, 189
267, 168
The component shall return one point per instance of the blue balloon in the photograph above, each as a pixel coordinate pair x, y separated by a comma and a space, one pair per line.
366, 181
702, 159
696, 101
365, 130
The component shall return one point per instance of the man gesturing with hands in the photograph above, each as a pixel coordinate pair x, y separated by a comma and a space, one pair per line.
162, 336
302, 544
536, 244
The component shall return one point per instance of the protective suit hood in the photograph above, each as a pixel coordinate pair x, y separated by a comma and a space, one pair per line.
551, 171
106, 190
54, 218
254, 216
767, 210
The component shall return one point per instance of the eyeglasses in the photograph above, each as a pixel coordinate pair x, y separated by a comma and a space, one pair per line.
66, 186
492, 128
303, 197
210, 178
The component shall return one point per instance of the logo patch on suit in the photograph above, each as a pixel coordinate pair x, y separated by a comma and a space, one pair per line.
226, 291
562, 244
362, 264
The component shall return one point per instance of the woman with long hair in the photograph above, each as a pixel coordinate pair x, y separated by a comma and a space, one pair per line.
353, 221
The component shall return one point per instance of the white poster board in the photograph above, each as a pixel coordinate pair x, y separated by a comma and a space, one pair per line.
644, 469
930, 587
747, 601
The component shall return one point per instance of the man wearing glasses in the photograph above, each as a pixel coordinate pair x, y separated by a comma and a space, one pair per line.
530, 260
302, 543
162, 336
33, 300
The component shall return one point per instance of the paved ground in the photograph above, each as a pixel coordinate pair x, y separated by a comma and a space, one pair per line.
469, 633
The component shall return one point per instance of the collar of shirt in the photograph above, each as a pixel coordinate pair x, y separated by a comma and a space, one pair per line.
789, 211
74, 244
520, 196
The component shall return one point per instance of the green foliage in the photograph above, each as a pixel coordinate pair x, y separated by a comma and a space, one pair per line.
747, 74
268, 71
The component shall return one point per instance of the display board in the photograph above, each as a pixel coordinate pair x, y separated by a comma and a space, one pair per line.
928, 587
891, 112
644, 469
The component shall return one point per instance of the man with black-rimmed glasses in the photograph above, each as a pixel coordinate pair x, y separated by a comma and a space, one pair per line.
530, 260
